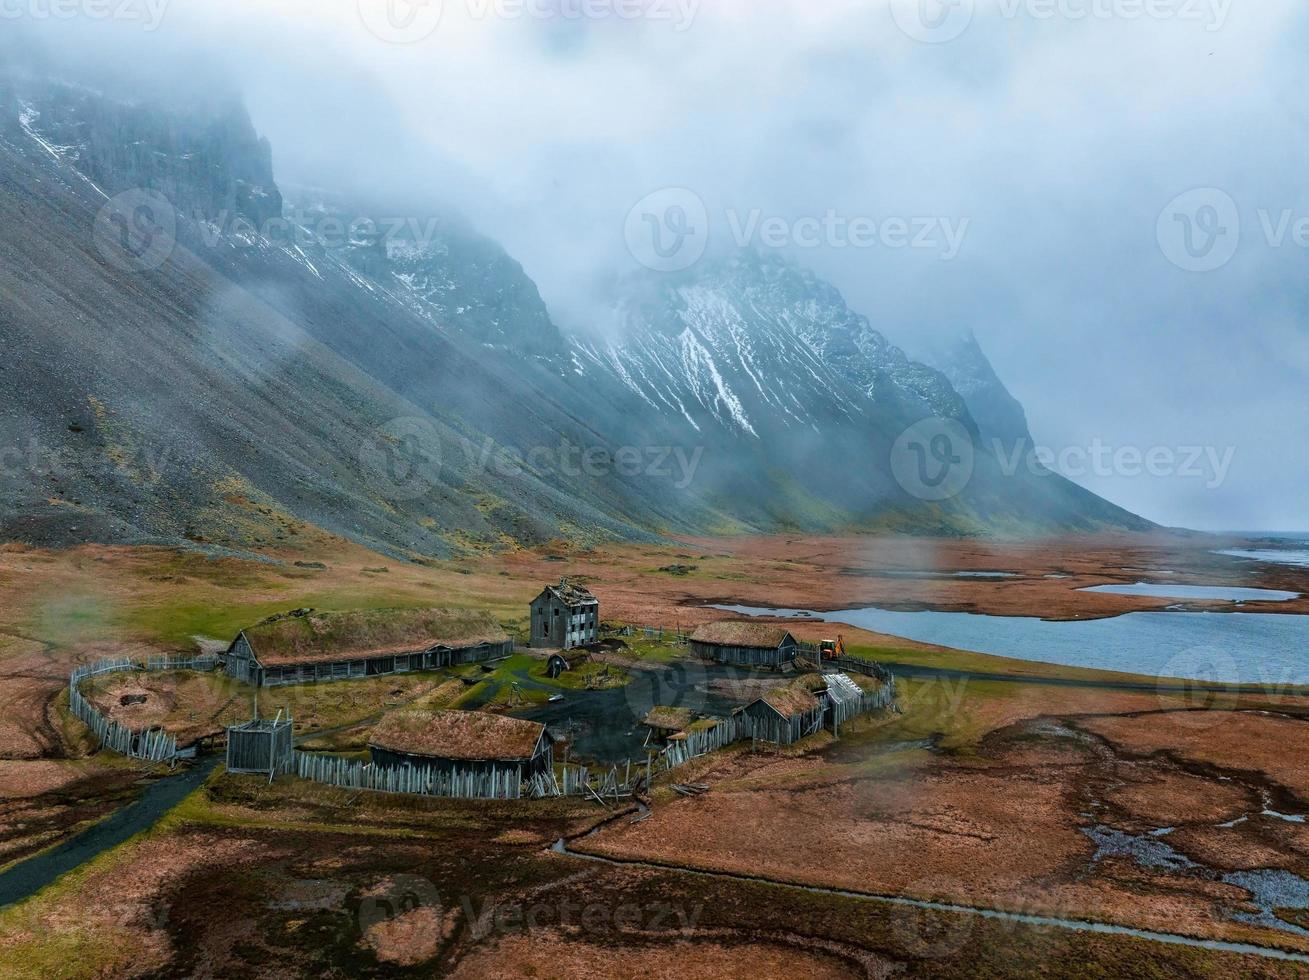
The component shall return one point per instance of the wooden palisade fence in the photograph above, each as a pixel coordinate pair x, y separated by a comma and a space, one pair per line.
453, 782
150, 746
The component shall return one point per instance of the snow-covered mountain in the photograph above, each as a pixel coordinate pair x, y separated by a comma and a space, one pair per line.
999, 415
248, 377
759, 347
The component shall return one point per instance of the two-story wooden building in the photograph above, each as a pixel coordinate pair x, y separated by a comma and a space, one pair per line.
565, 616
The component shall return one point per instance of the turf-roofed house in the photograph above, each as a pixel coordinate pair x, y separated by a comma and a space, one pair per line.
305, 645
462, 740
565, 616
789, 713
745, 643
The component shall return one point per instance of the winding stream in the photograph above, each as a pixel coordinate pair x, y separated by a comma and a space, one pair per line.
1073, 925
30, 875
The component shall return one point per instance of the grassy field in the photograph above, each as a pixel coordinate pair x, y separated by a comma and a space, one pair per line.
976, 791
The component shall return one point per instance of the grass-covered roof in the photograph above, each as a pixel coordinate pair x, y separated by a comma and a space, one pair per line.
465, 736
742, 633
317, 637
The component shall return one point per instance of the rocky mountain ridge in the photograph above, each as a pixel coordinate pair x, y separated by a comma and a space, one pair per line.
410, 390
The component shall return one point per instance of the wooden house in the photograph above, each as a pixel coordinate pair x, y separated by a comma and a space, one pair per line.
746, 644
565, 616
786, 714
305, 646
466, 741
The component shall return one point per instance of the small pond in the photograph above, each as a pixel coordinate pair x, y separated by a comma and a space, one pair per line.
926, 573
1173, 591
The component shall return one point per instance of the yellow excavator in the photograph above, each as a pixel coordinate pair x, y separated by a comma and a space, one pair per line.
832, 649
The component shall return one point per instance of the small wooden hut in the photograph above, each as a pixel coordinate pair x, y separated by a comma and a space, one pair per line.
261, 745
786, 714
306, 646
745, 643
665, 721
466, 741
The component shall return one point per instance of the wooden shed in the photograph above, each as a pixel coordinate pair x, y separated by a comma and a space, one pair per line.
467, 741
745, 643
262, 745
305, 646
665, 721
565, 616
786, 714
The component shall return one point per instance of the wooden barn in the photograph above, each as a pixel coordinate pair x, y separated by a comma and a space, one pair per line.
467, 741
745, 644
565, 616
786, 714
306, 646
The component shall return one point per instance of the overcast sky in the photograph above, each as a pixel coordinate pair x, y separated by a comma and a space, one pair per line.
1034, 148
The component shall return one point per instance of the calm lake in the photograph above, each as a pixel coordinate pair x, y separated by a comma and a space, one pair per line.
1248, 648
1277, 556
